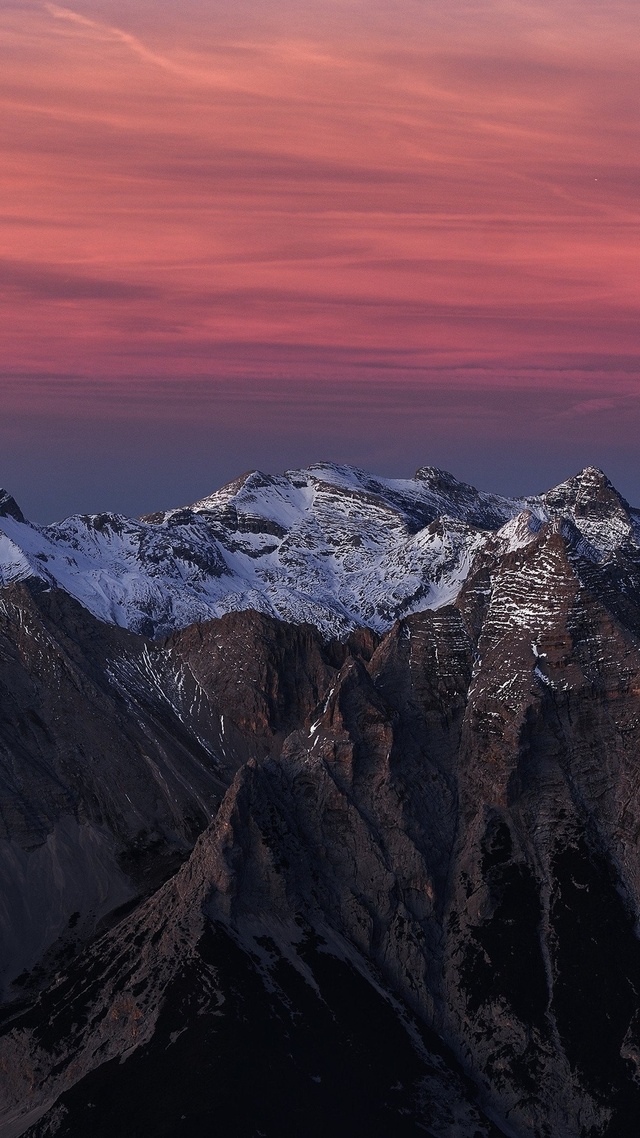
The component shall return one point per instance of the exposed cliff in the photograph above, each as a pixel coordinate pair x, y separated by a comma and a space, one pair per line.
414, 902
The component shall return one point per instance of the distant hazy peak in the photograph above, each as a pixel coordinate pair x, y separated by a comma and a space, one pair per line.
442, 480
9, 508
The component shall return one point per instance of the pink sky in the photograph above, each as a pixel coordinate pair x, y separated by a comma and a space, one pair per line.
369, 199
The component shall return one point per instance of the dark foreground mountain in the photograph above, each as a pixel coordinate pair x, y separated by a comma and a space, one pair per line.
412, 906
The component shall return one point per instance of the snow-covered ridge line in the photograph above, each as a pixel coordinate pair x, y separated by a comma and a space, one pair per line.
331, 545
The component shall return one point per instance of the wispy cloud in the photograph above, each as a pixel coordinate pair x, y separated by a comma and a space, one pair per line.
108, 32
318, 195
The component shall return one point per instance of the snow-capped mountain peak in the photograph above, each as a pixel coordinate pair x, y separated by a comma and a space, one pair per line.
331, 545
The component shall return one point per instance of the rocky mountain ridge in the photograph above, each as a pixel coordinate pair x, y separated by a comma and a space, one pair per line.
330, 546
413, 901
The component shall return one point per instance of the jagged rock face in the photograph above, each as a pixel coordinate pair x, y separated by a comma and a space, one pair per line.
465, 814
330, 546
116, 752
434, 831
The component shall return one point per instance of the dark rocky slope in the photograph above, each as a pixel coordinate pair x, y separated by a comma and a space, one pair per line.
413, 903
115, 752
421, 887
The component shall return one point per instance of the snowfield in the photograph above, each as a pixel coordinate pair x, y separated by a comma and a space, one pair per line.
330, 545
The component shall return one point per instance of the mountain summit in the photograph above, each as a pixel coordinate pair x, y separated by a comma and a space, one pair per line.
370, 869
330, 545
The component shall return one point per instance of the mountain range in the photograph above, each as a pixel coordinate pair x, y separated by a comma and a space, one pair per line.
319, 813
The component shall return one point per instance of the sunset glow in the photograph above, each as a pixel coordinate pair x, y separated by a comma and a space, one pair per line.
361, 199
